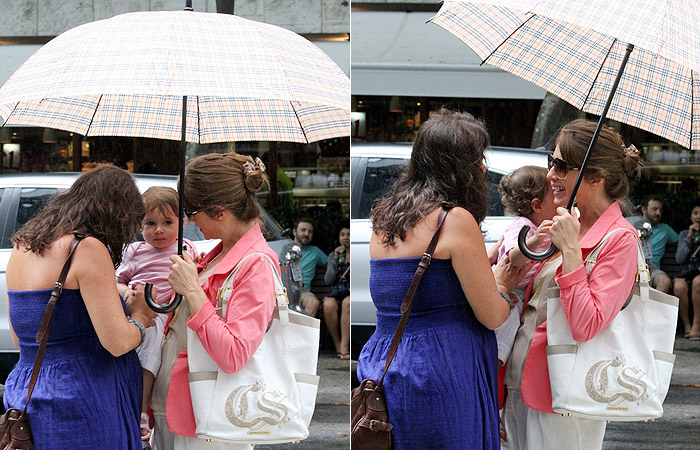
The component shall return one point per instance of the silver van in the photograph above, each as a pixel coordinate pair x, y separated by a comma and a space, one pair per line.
375, 168
22, 195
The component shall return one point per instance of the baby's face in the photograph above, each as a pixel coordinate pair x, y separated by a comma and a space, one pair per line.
160, 230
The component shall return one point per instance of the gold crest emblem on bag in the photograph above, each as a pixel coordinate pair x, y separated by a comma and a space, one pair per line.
271, 410
611, 381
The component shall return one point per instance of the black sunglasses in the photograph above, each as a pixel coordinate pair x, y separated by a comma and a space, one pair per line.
561, 167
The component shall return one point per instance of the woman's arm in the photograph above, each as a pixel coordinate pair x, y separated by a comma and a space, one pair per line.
331, 268
590, 305
232, 343
93, 269
463, 238
684, 247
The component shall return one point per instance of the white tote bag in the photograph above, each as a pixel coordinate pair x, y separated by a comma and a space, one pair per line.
272, 398
624, 372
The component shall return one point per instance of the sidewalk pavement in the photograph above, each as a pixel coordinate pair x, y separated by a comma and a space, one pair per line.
330, 426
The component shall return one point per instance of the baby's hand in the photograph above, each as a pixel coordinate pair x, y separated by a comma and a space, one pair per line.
199, 257
543, 230
129, 294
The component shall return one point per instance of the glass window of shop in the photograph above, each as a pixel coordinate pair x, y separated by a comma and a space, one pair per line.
396, 119
309, 179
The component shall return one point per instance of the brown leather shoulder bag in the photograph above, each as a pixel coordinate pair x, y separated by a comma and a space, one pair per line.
371, 429
15, 433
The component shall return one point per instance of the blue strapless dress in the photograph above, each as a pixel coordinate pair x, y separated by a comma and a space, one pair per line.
84, 398
441, 387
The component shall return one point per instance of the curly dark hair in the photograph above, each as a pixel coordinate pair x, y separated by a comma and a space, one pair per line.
520, 187
446, 165
103, 203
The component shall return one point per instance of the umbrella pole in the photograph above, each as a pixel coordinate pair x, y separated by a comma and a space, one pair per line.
181, 198
164, 309
524, 231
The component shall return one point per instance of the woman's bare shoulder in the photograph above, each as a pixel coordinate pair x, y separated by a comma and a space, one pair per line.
460, 220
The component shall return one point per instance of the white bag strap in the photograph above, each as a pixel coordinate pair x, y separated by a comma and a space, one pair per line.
281, 300
643, 274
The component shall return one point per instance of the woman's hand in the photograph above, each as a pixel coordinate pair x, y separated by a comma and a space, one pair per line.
565, 235
693, 227
183, 275
565, 230
508, 275
137, 308
339, 250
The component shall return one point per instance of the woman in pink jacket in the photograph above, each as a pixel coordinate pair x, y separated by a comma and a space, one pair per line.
220, 199
590, 303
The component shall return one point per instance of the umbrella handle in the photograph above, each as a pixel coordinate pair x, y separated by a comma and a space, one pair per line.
530, 254
163, 309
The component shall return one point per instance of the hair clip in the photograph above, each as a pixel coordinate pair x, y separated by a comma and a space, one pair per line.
631, 150
249, 167
259, 164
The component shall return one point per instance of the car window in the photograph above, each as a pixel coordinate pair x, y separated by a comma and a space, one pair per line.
496, 207
31, 200
381, 173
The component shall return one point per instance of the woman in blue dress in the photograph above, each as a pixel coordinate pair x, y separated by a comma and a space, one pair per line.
87, 395
441, 387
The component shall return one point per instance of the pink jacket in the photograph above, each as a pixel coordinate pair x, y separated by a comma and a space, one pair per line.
231, 343
590, 305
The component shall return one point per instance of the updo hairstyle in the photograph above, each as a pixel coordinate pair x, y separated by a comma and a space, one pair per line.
610, 158
224, 181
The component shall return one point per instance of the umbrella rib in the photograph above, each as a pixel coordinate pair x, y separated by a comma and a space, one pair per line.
199, 125
692, 113
14, 108
301, 126
506, 39
87, 131
600, 69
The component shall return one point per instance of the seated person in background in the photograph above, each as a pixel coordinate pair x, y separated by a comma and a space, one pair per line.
688, 255
338, 277
311, 257
662, 234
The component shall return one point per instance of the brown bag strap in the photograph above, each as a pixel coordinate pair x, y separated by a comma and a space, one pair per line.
42, 335
412, 288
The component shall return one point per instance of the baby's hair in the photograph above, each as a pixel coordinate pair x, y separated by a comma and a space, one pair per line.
520, 187
161, 198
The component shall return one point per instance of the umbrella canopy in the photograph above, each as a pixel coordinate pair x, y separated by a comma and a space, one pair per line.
574, 49
196, 77
127, 76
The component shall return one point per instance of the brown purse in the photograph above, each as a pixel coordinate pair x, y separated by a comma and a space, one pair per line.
15, 433
370, 426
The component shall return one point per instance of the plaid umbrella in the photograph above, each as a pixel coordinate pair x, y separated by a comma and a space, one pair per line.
636, 61
574, 49
126, 76
196, 77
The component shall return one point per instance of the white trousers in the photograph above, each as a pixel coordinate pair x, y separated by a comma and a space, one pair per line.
163, 438
547, 431
187, 443
514, 422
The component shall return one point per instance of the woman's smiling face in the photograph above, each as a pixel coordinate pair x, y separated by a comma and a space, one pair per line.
560, 188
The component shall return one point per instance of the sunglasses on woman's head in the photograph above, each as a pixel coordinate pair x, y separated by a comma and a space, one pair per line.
561, 167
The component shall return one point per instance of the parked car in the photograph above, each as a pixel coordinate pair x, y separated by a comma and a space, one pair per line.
375, 168
22, 195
